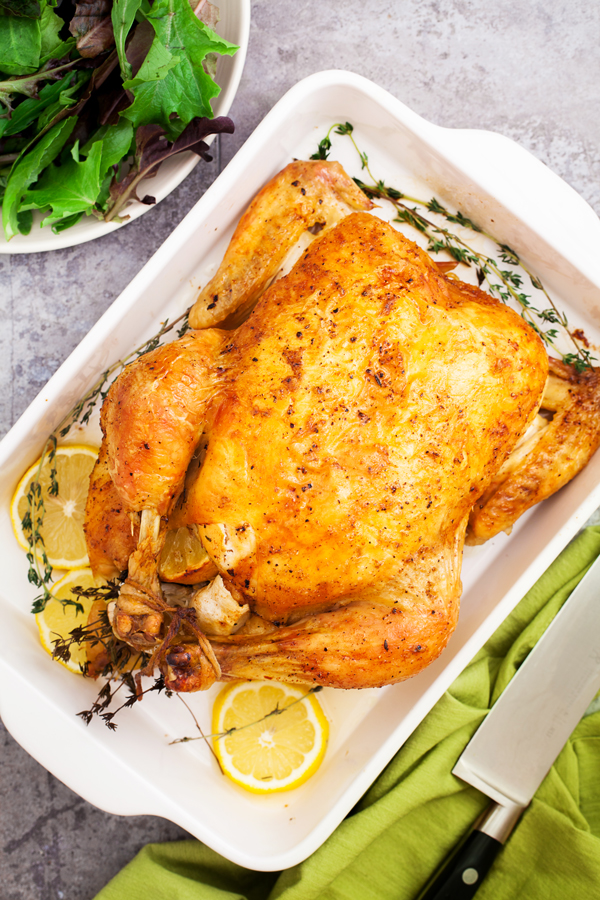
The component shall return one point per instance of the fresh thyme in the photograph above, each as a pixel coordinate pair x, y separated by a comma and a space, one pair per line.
107, 694
113, 659
40, 570
505, 284
82, 411
277, 711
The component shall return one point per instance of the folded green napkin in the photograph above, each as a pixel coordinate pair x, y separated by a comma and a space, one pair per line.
417, 810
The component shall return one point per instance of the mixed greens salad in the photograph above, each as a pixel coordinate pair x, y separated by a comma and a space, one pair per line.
94, 95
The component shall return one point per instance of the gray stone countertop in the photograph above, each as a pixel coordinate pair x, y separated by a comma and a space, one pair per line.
528, 70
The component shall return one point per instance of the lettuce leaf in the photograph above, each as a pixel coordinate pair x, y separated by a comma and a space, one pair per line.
27, 169
172, 81
67, 189
152, 149
28, 8
51, 43
123, 15
20, 44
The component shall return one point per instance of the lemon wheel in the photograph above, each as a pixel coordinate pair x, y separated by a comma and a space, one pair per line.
61, 526
57, 620
276, 753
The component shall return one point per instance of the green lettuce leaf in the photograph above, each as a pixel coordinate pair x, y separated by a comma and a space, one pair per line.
67, 222
50, 25
27, 169
116, 142
123, 16
20, 44
25, 221
172, 79
59, 93
67, 189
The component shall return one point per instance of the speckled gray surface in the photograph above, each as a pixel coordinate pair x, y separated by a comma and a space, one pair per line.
528, 70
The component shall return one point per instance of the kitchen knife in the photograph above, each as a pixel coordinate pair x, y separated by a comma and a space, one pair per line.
514, 748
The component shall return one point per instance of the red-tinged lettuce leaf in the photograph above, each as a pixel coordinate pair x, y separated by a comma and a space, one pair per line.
171, 87
67, 189
27, 169
30, 9
152, 149
88, 14
97, 39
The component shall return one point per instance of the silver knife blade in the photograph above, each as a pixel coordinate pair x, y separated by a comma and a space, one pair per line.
517, 743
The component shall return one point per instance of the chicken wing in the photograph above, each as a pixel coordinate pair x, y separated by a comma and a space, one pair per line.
550, 454
304, 196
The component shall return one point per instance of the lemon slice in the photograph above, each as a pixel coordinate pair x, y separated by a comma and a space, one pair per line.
184, 559
277, 753
62, 523
57, 620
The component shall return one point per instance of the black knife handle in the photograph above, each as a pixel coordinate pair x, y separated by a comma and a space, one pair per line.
461, 878
469, 863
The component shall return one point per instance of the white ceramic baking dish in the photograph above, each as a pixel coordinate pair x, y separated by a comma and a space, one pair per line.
135, 770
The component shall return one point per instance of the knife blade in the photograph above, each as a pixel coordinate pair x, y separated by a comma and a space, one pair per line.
514, 748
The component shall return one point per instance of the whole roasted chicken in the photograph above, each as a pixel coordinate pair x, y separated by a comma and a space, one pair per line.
327, 448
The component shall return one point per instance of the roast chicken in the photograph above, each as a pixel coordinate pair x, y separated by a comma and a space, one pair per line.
331, 438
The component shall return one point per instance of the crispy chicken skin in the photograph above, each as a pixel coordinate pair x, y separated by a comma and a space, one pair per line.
303, 196
153, 417
549, 457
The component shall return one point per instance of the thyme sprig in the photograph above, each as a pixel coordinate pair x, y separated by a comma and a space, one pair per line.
82, 411
277, 711
117, 659
506, 284
40, 572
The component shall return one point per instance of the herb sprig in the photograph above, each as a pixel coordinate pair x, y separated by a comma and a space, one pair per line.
505, 284
276, 711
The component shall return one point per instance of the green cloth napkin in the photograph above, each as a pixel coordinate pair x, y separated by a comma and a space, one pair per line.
416, 811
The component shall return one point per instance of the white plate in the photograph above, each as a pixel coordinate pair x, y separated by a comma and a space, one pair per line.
135, 770
234, 25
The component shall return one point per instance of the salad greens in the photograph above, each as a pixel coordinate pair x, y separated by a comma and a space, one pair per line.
94, 95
